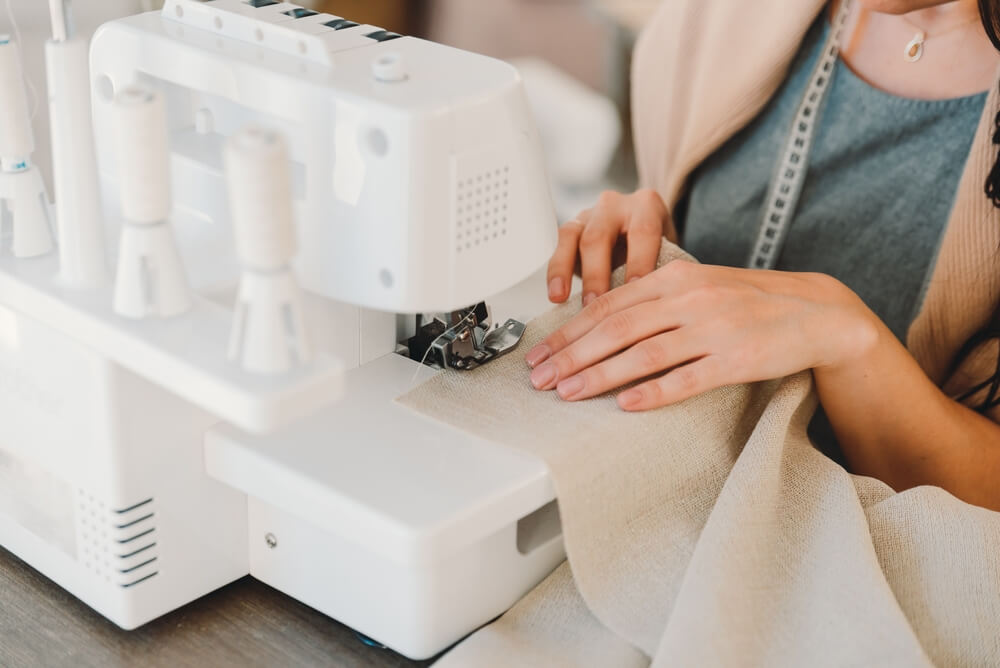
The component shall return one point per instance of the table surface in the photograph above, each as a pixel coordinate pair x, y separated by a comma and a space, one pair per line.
244, 624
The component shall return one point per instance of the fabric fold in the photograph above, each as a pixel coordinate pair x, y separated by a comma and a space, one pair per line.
713, 533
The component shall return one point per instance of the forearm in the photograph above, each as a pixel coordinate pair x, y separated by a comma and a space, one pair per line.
894, 424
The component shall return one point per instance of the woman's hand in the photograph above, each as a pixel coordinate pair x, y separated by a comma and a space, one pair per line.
640, 218
698, 327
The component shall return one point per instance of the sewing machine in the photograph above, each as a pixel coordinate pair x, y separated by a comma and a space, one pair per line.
293, 219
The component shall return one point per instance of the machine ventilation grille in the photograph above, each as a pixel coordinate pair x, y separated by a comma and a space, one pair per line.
118, 545
481, 201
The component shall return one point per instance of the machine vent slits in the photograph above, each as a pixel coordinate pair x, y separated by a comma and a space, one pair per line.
481, 201
117, 544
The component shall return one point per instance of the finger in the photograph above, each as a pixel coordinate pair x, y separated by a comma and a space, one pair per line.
596, 246
615, 333
645, 236
675, 386
601, 308
648, 357
560, 271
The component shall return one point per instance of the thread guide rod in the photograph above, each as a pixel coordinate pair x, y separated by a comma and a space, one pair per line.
62, 22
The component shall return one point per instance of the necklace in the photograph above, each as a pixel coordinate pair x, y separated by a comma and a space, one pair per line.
914, 50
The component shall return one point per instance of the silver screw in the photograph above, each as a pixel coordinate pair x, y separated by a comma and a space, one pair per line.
271, 540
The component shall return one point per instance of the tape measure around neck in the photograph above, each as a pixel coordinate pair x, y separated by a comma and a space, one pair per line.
786, 185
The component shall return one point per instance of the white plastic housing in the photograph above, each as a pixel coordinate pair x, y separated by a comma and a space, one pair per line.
423, 194
150, 279
102, 483
23, 193
406, 529
269, 333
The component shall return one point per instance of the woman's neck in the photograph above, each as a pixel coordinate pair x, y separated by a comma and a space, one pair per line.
946, 16
957, 58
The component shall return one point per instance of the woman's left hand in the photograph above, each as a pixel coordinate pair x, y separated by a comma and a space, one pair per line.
696, 327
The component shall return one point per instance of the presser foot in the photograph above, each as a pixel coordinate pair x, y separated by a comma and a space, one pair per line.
465, 340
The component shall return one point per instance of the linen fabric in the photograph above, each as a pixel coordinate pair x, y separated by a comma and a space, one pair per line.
713, 533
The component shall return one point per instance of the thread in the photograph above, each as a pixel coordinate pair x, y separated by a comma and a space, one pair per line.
260, 198
32, 91
16, 138
143, 155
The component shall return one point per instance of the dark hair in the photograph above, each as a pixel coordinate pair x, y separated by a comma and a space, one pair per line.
989, 10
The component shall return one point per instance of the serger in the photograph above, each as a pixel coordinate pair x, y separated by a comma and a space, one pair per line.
269, 168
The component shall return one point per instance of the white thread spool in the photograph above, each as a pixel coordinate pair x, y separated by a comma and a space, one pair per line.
16, 138
260, 198
21, 187
150, 280
268, 335
143, 155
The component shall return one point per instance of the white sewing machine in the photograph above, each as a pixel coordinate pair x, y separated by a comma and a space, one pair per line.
221, 403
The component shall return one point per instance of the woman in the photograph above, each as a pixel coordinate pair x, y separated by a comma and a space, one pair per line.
892, 261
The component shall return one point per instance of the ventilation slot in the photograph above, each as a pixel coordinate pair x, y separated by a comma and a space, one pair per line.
481, 203
118, 545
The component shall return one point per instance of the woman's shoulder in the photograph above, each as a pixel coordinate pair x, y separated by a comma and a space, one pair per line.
700, 66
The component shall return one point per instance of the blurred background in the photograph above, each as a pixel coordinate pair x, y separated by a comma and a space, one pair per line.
573, 54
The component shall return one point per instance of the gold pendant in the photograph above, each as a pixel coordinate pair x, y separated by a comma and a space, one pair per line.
915, 49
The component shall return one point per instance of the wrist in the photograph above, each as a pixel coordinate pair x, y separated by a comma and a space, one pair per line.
852, 334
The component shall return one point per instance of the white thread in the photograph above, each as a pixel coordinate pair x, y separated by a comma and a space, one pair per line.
32, 91
783, 193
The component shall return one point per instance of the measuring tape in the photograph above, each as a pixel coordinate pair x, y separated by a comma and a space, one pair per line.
783, 195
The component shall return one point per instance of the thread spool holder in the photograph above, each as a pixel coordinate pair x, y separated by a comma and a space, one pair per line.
185, 355
26, 210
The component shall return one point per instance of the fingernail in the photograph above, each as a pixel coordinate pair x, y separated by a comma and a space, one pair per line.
537, 355
589, 297
629, 398
556, 288
570, 387
544, 376
634, 279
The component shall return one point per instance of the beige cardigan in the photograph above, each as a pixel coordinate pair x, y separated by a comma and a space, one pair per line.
703, 69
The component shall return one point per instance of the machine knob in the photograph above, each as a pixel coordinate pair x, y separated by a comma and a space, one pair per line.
390, 68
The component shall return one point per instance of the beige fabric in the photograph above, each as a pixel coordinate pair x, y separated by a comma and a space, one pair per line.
713, 534
703, 69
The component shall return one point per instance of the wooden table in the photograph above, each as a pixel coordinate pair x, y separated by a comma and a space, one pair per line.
245, 624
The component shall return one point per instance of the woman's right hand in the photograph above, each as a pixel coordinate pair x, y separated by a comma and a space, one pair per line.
640, 219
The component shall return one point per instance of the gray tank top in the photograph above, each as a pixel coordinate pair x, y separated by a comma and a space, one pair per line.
882, 180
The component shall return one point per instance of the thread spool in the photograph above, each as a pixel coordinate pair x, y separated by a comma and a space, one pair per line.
16, 138
150, 280
268, 334
21, 185
260, 198
143, 155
